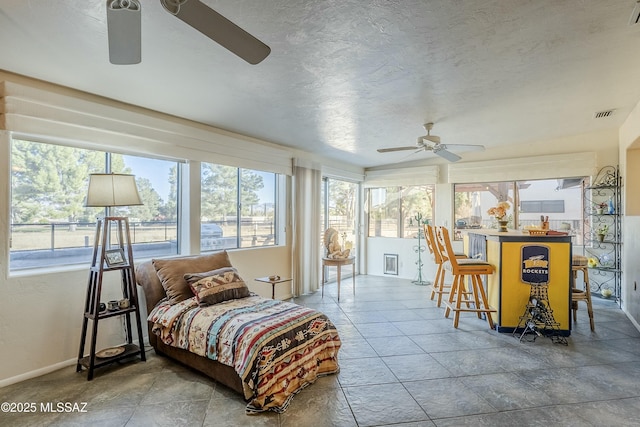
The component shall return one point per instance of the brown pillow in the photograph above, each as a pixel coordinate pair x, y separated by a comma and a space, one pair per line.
171, 272
216, 286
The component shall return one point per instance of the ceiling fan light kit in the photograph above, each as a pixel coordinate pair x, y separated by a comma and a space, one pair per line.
125, 40
124, 29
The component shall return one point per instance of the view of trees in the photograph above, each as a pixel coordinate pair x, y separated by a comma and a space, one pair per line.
392, 209
48, 191
416, 200
49, 184
219, 194
342, 200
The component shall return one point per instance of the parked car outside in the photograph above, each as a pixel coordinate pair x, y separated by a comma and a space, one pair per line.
210, 237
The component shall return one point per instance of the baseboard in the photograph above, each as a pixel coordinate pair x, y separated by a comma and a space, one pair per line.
37, 373
51, 368
633, 321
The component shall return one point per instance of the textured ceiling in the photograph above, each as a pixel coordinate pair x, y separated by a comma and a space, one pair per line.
347, 77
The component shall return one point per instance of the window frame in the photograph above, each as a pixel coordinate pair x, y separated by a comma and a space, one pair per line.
222, 243
404, 223
75, 261
514, 188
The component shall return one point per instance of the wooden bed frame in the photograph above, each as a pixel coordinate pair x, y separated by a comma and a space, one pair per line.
147, 278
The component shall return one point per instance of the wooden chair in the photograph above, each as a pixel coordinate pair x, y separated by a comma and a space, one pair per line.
579, 263
439, 287
475, 299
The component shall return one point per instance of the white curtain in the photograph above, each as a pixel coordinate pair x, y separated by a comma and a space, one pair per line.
306, 250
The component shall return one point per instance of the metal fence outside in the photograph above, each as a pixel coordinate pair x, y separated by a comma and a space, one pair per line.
34, 245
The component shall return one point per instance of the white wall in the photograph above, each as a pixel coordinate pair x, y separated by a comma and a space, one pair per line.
407, 257
630, 171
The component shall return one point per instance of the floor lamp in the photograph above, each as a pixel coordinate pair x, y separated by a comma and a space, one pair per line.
110, 190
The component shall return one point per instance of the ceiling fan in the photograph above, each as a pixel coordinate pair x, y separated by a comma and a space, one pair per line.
432, 143
124, 28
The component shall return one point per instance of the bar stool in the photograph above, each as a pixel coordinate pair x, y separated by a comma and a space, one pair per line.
461, 267
439, 287
579, 263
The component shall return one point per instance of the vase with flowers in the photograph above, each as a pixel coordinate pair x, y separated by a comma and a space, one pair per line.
499, 212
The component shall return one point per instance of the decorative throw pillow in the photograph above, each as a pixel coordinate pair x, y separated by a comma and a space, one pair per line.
213, 287
171, 272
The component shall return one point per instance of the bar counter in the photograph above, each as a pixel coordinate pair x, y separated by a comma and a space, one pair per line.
521, 260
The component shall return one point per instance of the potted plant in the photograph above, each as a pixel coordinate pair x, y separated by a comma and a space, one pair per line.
600, 207
601, 232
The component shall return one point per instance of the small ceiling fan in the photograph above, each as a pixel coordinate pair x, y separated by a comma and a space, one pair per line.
432, 143
124, 28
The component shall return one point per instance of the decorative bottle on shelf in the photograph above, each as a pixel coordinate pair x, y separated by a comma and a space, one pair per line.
610, 207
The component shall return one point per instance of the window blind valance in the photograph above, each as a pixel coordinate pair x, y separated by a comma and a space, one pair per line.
342, 174
525, 168
420, 175
35, 108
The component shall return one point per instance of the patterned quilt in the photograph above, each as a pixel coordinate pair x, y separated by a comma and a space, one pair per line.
277, 348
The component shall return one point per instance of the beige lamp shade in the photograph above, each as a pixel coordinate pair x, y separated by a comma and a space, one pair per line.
112, 189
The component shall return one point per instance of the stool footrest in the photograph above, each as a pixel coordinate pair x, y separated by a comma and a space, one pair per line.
473, 310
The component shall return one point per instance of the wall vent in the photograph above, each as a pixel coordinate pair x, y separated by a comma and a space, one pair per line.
603, 114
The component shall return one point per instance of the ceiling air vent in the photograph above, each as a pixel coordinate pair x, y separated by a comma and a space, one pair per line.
603, 114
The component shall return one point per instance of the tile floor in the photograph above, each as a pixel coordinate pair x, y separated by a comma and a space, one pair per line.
402, 364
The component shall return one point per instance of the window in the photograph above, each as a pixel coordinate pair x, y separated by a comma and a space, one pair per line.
340, 200
473, 200
384, 212
238, 208
154, 225
394, 211
339, 211
50, 225
561, 200
417, 202
258, 208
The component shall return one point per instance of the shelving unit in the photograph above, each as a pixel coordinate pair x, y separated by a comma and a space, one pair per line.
100, 264
605, 188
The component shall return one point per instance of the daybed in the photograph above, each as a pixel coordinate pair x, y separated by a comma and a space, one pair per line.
266, 350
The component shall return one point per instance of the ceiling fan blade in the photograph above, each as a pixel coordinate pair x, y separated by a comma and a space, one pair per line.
464, 147
389, 150
124, 32
448, 155
219, 29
